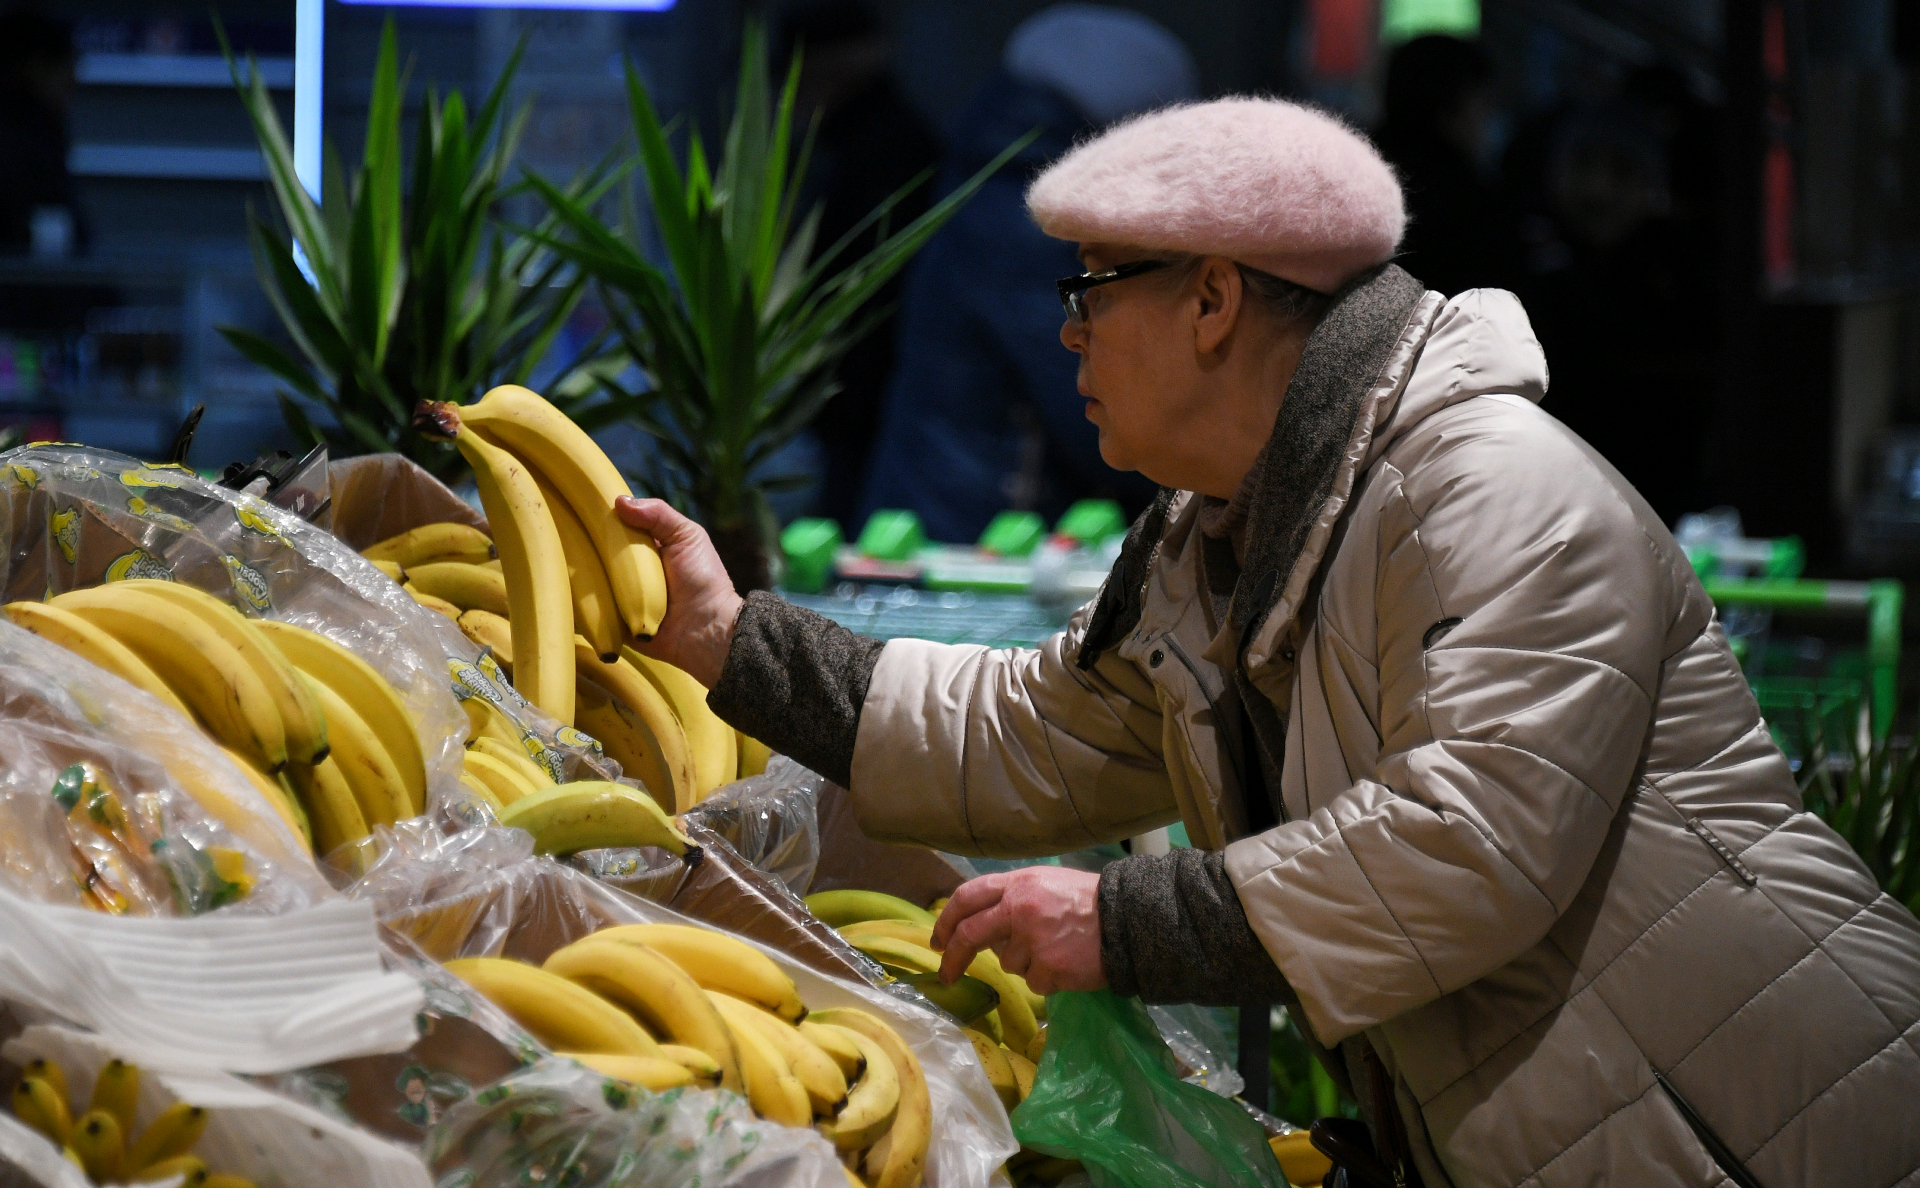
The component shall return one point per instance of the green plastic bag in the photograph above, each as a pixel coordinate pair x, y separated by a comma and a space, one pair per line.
1107, 1094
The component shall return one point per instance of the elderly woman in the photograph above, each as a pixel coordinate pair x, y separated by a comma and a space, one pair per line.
1475, 784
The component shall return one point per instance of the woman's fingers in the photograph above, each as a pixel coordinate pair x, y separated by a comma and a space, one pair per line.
974, 895
1043, 921
988, 929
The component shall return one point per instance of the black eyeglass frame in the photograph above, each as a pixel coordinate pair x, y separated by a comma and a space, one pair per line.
1073, 288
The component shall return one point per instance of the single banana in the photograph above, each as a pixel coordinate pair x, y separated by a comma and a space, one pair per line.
483, 793
577, 467
50, 1072
90, 643
1016, 1012
190, 1168
654, 737
905, 1159
873, 1101
719, 962
392, 569
168, 1136
843, 1051
378, 703
468, 587
330, 803
278, 796
753, 755
305, 724
495, 563
361, 757
506, 784
592, 815
777, 1095
487, 720
895, 953
560, 1014
437, 605
993, 1062
203, 668
1023, 1071
705, 1069
36, 1104
655, 989
595, 615
489, 631
825, 1084
1037, 1046
515, 758
116, 1089
100, 1145
444, 541
837, 909
712, 743
657, 1075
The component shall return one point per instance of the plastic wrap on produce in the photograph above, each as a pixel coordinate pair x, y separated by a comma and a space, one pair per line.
1199, 1036
559, 1123
483, 893
772, 820
113, 801
377, 496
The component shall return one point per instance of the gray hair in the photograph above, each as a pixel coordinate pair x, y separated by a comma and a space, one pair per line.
1282, 300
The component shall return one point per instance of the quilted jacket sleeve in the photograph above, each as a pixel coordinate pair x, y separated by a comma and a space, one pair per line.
1520, 617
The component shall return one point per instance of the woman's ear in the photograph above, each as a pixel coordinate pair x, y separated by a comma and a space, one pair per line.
1220, 293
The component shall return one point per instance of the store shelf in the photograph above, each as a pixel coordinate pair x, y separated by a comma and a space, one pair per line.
188, 162
173, 70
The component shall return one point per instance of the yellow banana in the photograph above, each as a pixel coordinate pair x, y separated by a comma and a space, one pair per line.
1037, 1046
90, 643
330, 804
468, 587
515, 758
837, 909
649, 744
1023, 1071
841, 1050
489, 631
100, 1145
204, 669
480, 790
549, 440
392, 569
719, 962
594, 614
437, 605
168, 1136
655, 989
872, 1102
362, 760
191, 1167
825, 1084
560, 1014
711, 742
657, 1075
705, 1069
116, 1089
445, 541
905, 1159
36, 1104
224, 1180
282, 801
993, 1062
592, 815
378, 703
50, 1072
487, 720
753, 755
777, 1095
506, 784
305, 726
1016, 1012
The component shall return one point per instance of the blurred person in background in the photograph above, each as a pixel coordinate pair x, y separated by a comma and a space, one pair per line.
981, 414
38, 213
1438, 134
871, 141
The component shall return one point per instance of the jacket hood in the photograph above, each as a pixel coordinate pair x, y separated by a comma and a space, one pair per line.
1478, 343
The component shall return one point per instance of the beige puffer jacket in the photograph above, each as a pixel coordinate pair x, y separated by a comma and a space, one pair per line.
1540, 851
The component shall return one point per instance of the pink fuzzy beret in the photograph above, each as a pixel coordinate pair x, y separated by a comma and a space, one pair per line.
1274, 185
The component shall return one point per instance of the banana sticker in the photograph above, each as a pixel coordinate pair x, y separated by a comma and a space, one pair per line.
65, 526
470, 681
151, 476
247, 511
569, 737
154, 515
542, 755
74, 473
498, 676
248, 583
138, 564
22, 475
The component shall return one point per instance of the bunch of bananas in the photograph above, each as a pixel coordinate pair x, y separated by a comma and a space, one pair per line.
323, 737
666, 1006
103, 1141
1005, 1020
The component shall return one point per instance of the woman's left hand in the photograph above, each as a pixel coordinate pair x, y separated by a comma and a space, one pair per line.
1043, 921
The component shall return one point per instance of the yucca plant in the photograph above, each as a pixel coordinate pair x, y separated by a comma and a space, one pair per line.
738, 335
405, 287
1868, 790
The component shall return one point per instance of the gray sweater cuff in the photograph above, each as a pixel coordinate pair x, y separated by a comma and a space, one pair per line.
795, 680
1172, 930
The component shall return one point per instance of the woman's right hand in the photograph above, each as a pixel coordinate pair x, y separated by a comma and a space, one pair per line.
697, 631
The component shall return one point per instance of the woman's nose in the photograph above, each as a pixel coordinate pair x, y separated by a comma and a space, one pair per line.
1073, 335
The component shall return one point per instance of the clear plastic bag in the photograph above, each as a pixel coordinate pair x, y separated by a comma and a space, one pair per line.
1201, 1038
559, 1123
109, 800
772, 820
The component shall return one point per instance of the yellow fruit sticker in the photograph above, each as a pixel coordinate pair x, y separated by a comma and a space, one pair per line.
65, 527
248, 512
568, 736
248, 583
154, 515
498, 676
152, 476
541, 754
22, 475
469, 681
138, 564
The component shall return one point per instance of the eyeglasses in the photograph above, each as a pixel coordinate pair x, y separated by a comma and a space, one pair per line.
1073, 289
